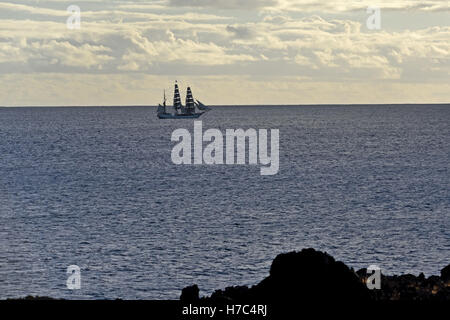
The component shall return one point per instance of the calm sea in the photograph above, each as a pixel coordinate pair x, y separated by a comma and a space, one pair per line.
96, 187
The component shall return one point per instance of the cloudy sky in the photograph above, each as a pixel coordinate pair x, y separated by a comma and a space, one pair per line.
230, 51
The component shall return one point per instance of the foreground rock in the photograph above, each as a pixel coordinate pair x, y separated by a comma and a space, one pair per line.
34, 298
314, 276
409, 287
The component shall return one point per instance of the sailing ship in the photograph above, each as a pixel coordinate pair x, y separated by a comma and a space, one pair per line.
182, 112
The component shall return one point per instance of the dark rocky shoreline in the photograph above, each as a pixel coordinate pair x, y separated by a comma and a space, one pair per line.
312, 276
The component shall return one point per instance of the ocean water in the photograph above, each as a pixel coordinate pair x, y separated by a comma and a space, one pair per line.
96, 187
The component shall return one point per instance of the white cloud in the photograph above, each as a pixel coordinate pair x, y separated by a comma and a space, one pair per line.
359, 5
225, 4
281, 41
315, 5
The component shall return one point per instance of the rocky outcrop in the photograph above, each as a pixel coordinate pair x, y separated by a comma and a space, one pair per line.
316, 277
34, 298
445, 274
190, 294
409, 287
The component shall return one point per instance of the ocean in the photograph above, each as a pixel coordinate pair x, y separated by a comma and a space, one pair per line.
96, 187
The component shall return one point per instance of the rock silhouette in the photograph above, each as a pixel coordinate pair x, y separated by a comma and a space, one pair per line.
311, 276
445, 274
190, 294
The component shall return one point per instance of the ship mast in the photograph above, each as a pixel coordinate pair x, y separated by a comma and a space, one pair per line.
190, 105
176, 98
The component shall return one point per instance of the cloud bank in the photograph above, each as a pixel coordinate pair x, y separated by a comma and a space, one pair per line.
251, 44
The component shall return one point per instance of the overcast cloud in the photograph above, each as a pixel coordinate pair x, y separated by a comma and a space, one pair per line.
230, 51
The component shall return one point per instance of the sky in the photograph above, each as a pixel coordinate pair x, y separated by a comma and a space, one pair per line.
229, 51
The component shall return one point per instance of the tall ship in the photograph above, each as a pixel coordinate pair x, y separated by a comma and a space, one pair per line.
188, 111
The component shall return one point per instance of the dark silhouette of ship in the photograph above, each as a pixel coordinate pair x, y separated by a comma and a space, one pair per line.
189, 111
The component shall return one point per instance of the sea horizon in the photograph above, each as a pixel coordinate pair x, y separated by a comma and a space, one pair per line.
241, 105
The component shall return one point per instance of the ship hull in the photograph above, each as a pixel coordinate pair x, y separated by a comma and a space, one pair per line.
179, 116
